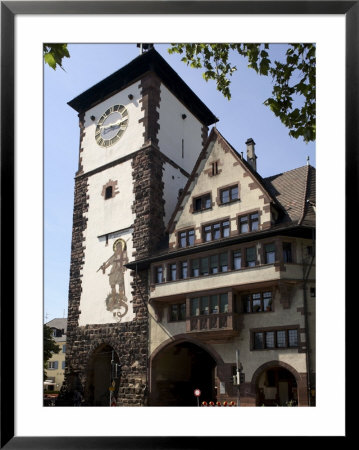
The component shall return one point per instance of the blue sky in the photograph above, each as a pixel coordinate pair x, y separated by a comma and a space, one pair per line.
242, 117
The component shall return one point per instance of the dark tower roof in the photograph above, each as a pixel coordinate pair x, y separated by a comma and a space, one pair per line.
150, 61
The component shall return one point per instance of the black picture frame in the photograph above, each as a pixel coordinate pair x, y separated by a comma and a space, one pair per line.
9, 10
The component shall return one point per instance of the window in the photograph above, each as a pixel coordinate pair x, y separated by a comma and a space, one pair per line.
251, 256
229, 194
202, 203
184, 269
219, 263
195, 306
53, 365
212, 304
64, 348
257, 302
287, 252
237, 260
223, 306
177, 312
195, 267
292, 338
172, 272
312, 291
215, 168
186, 238
216, 231
269, 254
287, 338
248, 223
204, 269
159, 274
108, 192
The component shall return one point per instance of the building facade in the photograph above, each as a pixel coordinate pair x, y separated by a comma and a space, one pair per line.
55, 371
183, 256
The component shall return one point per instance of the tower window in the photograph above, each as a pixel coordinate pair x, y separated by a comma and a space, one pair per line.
108, 192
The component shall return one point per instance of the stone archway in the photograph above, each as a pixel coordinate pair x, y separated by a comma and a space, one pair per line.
278, 384
177, 368
100, 375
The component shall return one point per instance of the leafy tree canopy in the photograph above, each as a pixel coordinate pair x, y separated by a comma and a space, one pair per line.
50, 346
54, 54
294, 84
293, 79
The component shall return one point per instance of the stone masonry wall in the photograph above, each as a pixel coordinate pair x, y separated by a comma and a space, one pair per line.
130, 339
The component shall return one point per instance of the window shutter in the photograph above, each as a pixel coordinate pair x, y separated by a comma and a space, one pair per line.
56, 365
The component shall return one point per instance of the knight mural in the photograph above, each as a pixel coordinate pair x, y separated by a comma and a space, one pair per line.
116, 301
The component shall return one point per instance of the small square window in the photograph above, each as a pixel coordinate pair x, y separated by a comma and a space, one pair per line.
108, 192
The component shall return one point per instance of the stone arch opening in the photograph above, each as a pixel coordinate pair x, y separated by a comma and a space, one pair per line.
276, 385
101, 372
177, 370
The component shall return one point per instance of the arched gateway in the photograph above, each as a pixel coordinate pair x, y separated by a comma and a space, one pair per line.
278, 384
100, 376
177, 369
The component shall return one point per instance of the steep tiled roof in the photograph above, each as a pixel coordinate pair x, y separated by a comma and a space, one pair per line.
60, 324
292, 189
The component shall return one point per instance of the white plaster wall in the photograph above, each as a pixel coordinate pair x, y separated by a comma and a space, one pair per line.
173, 129
164, 330
105, 217
249, 198
95, 283
173, 180
93, 155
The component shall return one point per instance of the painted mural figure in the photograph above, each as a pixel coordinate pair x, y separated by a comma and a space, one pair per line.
117, 301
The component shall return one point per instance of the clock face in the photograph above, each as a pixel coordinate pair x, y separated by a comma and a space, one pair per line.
111, 126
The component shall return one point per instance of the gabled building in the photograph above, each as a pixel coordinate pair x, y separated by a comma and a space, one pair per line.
56, 365
182, 256
238, 277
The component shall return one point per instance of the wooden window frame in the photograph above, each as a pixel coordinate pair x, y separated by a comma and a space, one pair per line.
229, 189
246, 259
265, 253
187, 237
249, 222
287, 243
179, 305
274, 330
203, 198
208, 296
212, 230
155, 274
262, 299
169, 272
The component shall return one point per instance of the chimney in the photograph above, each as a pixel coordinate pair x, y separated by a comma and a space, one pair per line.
251, 155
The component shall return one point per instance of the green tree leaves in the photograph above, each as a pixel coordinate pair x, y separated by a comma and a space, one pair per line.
293, 98
54, 54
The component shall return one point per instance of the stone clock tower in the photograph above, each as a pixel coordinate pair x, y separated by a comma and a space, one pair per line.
141, 131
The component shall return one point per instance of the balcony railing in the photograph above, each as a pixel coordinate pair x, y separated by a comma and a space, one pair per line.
212, 322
